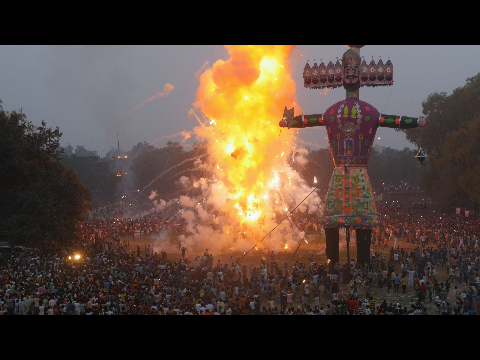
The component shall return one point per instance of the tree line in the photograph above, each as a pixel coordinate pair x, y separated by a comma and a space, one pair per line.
451, 140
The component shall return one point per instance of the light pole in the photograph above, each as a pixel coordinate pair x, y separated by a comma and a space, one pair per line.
120, 173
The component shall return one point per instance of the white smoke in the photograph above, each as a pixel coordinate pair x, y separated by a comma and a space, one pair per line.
209, 221
153, 195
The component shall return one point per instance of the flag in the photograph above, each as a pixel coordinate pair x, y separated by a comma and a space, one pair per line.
458, 211
466, 213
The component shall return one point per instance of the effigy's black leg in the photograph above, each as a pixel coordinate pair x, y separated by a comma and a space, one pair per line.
332, 245
364, 237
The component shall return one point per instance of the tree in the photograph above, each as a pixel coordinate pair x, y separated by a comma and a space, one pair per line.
451, 140
387, 165
96, 175
160, 168
42, 201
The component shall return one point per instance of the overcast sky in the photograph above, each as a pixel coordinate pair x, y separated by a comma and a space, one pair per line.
93, 93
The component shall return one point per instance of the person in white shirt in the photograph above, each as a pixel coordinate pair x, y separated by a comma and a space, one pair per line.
41, 310
36, 304
307, 293
28, 305
220, 306
22, 307
52, 302
77, 308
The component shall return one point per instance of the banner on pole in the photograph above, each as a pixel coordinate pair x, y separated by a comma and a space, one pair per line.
458, 211
466, 213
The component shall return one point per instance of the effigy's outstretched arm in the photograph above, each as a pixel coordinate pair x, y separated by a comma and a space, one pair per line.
401, 122
300, 121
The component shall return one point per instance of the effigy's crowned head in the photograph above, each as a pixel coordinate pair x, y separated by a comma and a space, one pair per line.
351, 62
351, 73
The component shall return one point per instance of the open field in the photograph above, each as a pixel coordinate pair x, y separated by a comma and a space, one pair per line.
315, 246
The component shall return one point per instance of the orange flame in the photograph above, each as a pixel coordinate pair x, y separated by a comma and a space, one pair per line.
246, 95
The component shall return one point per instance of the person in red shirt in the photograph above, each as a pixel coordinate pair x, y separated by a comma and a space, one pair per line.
423, 287
243, 301
352, 305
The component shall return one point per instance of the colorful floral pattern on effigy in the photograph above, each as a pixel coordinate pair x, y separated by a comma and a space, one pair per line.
350, 199
351, 125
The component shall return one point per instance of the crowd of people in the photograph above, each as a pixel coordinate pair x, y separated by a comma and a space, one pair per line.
401, 186
98, 275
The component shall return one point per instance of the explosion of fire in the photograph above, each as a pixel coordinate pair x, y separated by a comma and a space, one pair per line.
253, 185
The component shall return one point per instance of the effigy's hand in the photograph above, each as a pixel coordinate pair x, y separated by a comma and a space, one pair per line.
422, 122
288, 117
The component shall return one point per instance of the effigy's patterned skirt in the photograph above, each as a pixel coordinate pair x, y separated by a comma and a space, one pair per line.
350, 199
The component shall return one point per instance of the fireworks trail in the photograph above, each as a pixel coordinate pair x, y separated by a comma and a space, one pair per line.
167, 89
173, 167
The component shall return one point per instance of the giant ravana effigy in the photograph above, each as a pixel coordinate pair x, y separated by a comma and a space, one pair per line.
351, 125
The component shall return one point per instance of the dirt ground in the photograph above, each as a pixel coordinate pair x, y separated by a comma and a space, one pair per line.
315, 246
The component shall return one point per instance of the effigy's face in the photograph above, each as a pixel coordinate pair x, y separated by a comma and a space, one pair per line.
323, 76
351, 74
388, 74
308, 78
331, 75
380, 74
351, 81
364, 75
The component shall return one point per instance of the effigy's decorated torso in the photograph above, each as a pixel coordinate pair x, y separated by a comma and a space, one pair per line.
351, 125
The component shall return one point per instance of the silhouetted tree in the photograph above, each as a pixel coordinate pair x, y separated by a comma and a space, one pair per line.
451, 140
42, 201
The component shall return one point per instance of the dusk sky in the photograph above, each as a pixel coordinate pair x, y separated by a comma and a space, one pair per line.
93, 93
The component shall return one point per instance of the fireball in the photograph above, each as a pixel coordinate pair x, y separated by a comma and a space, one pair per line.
243, 99
246, 96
